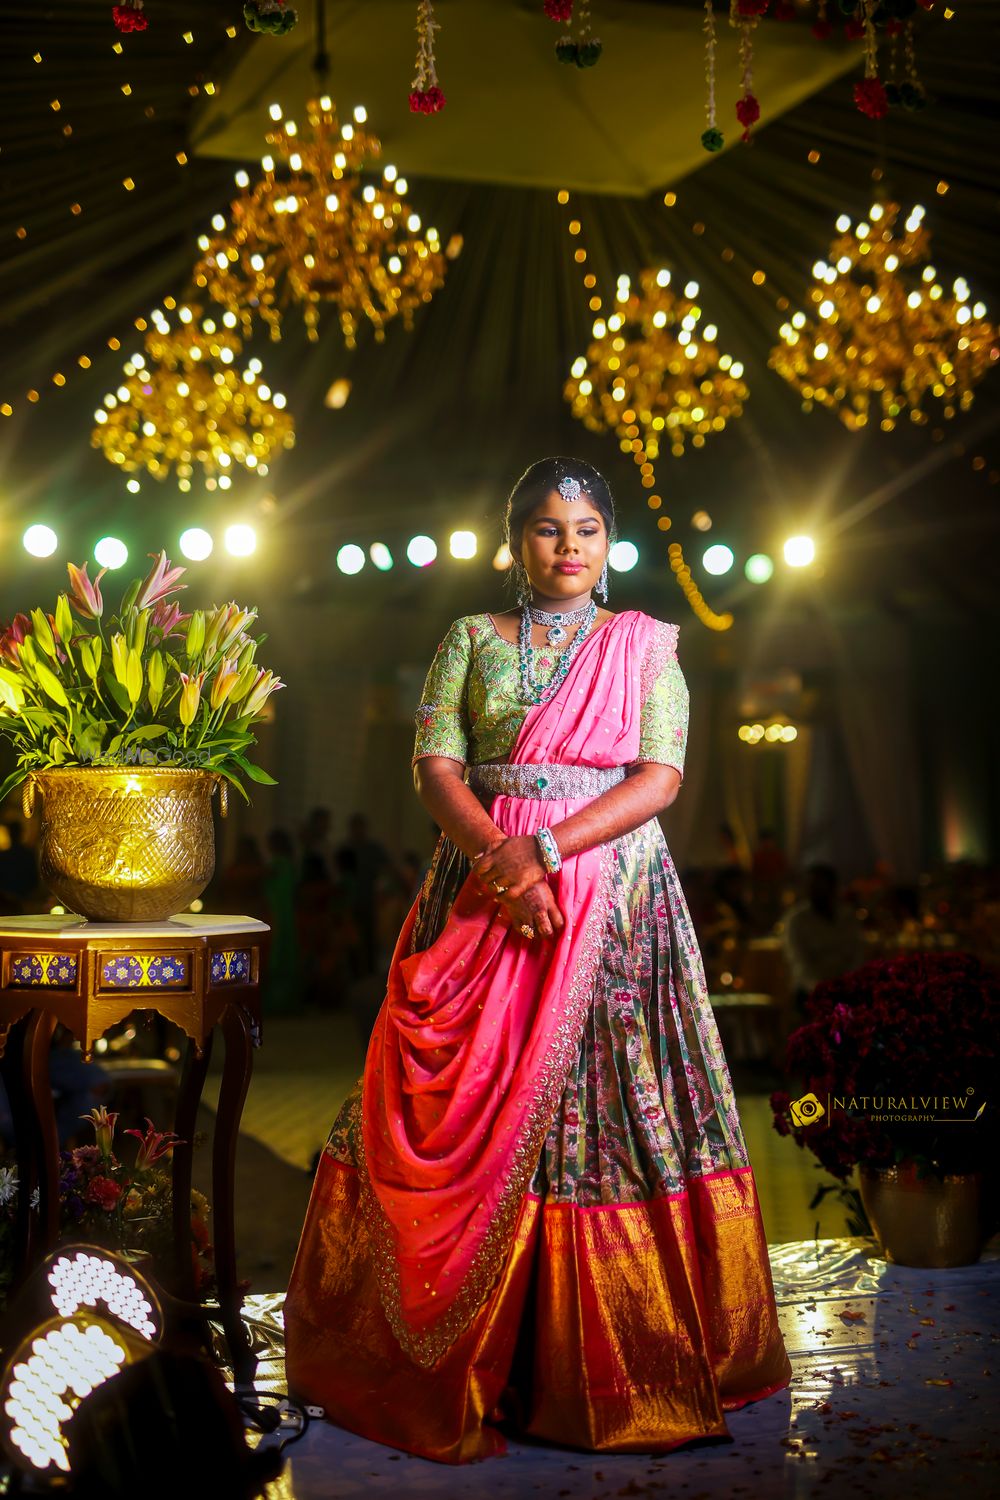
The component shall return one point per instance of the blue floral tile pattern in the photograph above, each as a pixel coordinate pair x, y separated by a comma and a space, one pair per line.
44, 970
137, 971
231, 967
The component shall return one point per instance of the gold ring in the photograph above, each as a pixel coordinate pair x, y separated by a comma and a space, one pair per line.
527, 931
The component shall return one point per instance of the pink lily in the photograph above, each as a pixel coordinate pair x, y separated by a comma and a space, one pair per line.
104, 1128
12, 637
84, 595
224, 681
190, 697
153, 1144
161, 581
265, 684
166, 618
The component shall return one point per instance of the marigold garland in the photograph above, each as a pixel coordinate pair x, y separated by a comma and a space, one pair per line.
426, 95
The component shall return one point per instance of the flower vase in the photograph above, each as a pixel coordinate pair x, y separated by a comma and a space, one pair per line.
924, 1221
125, 845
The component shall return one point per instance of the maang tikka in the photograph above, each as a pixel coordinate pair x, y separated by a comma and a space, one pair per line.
570, 490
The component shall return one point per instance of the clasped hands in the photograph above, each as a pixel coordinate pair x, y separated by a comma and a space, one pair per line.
512, 871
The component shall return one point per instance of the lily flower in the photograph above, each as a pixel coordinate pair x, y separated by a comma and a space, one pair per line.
11, 691
119, 656
238, 621
263, 687
248, 676
153, 1144
90, 655
190, 697
64, 619
42, 631
195, 634
140, 626
167, 617
104, 1128
156, 671
133, 677
161, 581
12, 638
224, 681
84, 595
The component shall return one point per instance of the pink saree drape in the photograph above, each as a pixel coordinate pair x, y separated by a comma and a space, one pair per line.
471, 1051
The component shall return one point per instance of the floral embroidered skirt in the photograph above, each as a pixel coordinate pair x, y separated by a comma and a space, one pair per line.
635, 1306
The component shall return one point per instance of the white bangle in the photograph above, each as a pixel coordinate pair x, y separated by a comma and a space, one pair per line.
549, 850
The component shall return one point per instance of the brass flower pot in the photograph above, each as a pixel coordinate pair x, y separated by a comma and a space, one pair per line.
924, 1221
125, 845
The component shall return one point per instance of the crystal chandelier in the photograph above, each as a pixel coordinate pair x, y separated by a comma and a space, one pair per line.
652, 375
313, 231
883, 334
186, 402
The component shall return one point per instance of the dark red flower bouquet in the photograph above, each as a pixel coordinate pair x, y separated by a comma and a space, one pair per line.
898, 1061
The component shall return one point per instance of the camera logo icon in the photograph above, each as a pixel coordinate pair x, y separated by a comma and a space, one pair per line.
806, 1111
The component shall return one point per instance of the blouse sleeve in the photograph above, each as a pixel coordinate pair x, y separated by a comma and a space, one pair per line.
663, 725
441, 719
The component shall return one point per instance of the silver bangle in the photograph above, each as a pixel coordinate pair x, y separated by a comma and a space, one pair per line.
549, 850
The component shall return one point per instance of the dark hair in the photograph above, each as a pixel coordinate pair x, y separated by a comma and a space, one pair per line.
542, 478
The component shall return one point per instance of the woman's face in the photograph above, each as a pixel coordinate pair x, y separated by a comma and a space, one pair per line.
564, 546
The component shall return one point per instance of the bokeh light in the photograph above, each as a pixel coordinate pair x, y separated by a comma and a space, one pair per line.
799, 551
623, 556
40, 541
718, 559
351, 558
240, 539
380, 556
110, 552
421, 551
462, 544
196, 544
759, 568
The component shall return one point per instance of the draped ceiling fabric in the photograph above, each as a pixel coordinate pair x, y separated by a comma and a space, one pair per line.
440, 421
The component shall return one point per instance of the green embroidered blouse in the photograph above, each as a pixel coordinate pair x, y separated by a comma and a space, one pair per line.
471, 709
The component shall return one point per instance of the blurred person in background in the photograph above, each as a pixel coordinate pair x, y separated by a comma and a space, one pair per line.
822, 936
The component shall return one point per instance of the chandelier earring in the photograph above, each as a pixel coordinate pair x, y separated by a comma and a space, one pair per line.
602, 582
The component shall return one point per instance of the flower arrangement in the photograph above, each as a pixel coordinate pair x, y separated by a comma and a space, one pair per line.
151, 686
907, 1047
126, 1209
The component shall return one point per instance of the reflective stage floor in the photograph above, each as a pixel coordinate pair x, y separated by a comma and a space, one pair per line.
894, 1392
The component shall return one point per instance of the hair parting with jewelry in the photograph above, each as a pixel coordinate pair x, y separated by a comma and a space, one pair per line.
541, 479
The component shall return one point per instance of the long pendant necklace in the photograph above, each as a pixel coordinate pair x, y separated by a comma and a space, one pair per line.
531, 691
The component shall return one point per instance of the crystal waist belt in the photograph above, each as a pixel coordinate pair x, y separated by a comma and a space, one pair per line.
545, 782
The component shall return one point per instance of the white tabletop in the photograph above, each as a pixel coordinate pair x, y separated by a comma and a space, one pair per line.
199, 924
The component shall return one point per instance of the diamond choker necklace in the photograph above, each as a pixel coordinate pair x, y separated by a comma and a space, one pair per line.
559, 622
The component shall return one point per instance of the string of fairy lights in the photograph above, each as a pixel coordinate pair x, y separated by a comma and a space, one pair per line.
653, 373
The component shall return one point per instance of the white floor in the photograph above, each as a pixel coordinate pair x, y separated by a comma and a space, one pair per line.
894, 1393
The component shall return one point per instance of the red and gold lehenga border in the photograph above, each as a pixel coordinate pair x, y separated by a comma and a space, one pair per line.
648, 1322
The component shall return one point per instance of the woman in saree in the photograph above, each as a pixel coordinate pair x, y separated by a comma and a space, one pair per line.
535, 1214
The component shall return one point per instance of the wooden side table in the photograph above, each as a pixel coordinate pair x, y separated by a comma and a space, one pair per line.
199, 971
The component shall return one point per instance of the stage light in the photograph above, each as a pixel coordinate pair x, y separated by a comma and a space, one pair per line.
701, 520
196, 544
463, 544
623, 556
503, 558
743, 732
380, 556
111, 553
718, 559
773, 732
336, 396
421, 551
240, 540
40, 541
351, 558
789, 733
799, 551
758, 568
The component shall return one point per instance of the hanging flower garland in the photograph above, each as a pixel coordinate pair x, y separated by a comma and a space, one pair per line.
272, 17
711, 137
874, 95
869, 94
745, 14
426, 96
584, 48
910, 93
129, 17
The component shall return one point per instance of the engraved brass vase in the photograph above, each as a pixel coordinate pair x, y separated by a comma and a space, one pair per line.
125, 845
924, 1221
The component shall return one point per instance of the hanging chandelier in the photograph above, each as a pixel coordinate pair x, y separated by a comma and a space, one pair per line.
312, 230
883, 335
184, 402
653, 373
